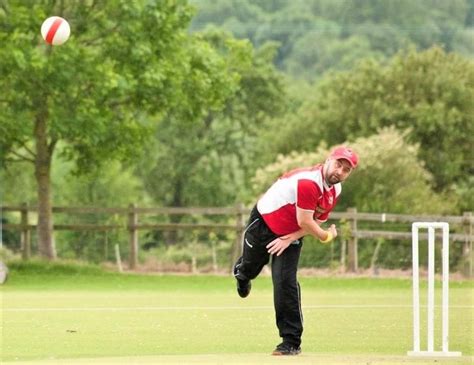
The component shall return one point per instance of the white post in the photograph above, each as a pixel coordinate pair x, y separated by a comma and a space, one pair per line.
117, 257
445, 309
431, 285
416, 291
431, 226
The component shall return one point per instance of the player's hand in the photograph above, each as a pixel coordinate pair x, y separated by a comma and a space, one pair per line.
331, 235
278, 245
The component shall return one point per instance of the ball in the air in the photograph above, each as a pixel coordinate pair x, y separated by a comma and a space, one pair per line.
55, 30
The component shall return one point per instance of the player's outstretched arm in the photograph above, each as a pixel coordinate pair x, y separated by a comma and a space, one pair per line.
307, 223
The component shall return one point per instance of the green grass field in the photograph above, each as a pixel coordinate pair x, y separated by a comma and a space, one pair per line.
82, 315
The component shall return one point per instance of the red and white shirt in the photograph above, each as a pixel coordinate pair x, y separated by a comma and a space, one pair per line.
304, 188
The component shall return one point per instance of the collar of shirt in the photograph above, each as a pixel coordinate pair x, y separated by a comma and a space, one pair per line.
326, 186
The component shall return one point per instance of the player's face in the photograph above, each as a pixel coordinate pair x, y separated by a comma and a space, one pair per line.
337, 171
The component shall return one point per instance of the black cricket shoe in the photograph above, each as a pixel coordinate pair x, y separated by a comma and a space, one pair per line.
285, 349
243, 287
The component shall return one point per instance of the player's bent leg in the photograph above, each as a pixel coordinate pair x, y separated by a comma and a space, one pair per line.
254, 255
243, 282
247, 267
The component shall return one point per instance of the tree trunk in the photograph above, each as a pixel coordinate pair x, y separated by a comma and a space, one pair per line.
43, 179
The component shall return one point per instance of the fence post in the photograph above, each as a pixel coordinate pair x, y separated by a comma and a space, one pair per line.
239, 230
117, 258
133, 236
467, 254
353, 264
25, 236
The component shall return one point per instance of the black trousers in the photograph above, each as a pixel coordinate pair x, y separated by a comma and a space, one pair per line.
286, 289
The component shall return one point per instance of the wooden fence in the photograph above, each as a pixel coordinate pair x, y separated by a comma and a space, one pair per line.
463, 226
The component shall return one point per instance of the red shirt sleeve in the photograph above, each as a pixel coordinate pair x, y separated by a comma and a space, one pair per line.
307, 195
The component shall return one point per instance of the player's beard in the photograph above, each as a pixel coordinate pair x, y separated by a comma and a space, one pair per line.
333, 179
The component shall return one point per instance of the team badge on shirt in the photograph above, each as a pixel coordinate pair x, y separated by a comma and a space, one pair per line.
320, 210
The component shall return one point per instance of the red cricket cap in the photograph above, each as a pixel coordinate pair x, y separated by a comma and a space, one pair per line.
345, 153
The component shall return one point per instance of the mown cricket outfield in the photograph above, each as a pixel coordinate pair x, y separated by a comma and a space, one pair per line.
84, 315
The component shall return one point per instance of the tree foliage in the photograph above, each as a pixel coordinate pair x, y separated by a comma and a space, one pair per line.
92, 89
207, 159
428, 93
316, 35
126, 65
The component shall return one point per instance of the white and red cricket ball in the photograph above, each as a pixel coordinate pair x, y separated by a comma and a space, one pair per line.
55, 30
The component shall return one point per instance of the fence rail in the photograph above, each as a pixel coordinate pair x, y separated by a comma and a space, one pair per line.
463, 224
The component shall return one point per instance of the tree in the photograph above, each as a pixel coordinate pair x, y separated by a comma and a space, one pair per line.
315, 54
428, 93
305, 28
236, 16
126, 65
207, 159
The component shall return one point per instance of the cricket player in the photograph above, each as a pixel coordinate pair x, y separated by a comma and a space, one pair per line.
294, 206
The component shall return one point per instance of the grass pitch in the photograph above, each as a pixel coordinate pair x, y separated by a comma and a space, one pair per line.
62, 314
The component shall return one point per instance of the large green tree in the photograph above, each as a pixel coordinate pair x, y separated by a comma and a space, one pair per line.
208, 159
428, 93
126, 65
319, 35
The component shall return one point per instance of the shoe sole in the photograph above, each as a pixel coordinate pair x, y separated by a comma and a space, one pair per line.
278, 353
